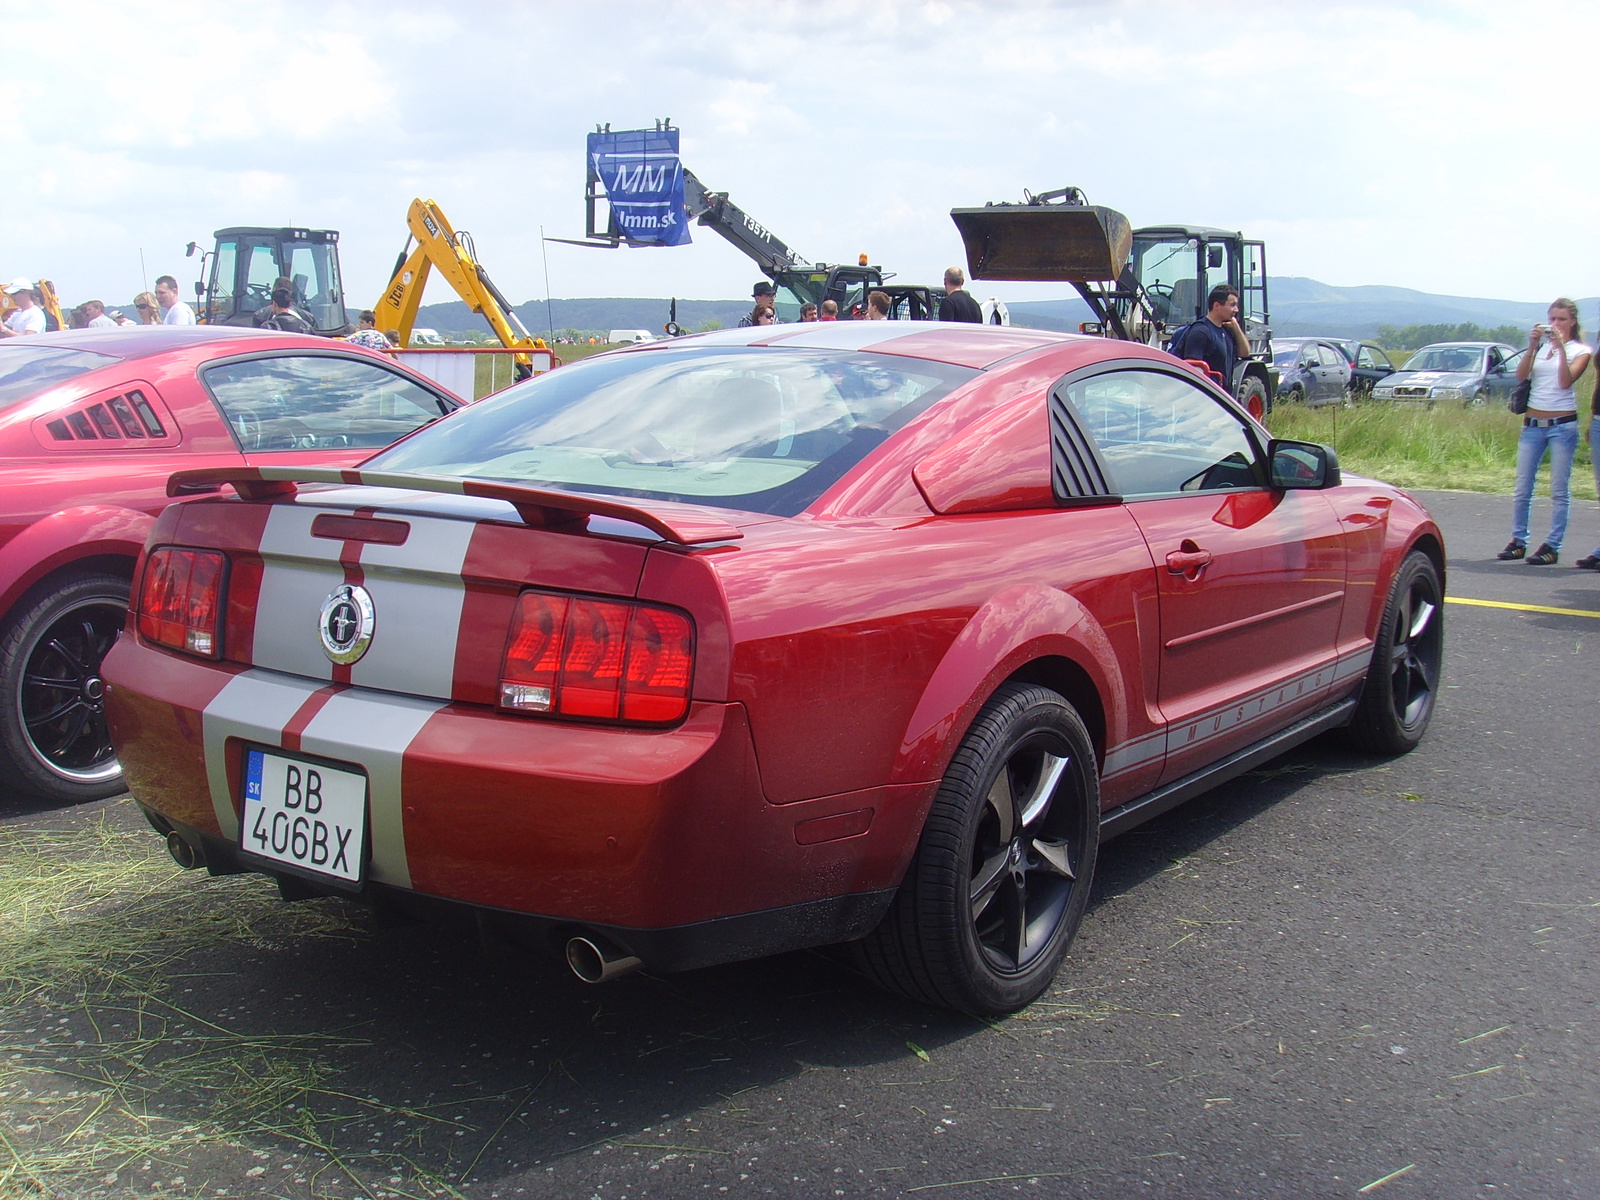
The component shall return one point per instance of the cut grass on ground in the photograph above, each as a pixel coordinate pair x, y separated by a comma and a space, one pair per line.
1471, 449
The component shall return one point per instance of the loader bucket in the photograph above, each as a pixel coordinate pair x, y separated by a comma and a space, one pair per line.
1069, 243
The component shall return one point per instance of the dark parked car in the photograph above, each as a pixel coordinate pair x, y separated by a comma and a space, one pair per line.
770, 638
91, 425
1500, 381
1448, 371
1310, 370
1369, 363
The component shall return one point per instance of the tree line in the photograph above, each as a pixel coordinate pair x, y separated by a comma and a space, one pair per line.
1414, 337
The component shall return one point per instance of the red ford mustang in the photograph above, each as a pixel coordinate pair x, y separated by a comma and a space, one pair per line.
770, 638
91, 426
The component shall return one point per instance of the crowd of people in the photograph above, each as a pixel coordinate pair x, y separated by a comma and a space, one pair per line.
956, 305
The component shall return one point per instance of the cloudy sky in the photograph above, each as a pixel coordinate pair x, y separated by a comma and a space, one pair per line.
1428, 145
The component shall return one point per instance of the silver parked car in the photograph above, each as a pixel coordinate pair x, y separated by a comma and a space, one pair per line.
1447, 371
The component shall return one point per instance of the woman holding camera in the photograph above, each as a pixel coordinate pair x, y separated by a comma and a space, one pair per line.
1554, 360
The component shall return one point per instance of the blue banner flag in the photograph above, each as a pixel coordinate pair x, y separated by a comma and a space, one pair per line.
643, 178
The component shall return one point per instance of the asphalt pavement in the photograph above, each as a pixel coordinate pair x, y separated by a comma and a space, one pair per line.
1338, 976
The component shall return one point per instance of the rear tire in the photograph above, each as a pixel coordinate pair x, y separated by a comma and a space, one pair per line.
1001, 875
54, 740
1253, 395
1403, 682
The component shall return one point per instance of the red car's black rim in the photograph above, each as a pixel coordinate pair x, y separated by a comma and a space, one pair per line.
63, 699
1026, 855
1414, 656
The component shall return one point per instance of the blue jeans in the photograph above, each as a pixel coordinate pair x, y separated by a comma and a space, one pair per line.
1561, 442
1594, 452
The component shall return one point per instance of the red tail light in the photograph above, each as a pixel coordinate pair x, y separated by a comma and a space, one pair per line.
575, 657
180, 601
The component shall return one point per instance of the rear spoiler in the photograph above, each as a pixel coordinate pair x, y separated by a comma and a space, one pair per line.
684, 524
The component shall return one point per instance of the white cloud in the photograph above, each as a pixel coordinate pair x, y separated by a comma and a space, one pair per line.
1417, 144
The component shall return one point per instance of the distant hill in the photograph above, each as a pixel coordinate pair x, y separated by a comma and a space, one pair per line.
1299, 307
604, 313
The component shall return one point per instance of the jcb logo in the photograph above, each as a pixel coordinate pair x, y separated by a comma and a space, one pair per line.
643, 178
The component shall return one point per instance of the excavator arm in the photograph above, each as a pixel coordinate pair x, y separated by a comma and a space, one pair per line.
439, 247
715, 211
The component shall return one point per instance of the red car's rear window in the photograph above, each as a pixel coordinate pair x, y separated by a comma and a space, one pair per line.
28, 370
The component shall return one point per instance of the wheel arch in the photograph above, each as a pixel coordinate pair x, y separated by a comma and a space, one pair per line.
1073, 684
1434, 549
1026, 634
73, 540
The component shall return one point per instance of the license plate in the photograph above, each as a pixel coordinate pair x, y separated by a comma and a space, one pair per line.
304, 814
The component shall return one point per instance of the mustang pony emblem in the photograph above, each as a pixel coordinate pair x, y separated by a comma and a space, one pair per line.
346, 624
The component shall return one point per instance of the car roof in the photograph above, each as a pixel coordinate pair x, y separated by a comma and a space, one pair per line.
143, 341
1464, 346
958, 344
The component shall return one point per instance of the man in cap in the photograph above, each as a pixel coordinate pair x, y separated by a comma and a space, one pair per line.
27, 317
765, 296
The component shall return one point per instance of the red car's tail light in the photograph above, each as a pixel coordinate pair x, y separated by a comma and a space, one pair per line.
660, 666
180, 600
575, 657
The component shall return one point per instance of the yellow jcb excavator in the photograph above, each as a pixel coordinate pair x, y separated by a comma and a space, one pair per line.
438, 246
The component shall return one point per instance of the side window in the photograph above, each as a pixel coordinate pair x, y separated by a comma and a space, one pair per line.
317, 402
1160, 434
1330, 357
1495, 358
1364, 357
258, 284
222, 266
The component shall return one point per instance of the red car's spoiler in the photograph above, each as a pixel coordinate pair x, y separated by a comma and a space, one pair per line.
681, 523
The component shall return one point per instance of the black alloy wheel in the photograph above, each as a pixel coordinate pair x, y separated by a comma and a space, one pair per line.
1402, 684
53, 727
1001, 876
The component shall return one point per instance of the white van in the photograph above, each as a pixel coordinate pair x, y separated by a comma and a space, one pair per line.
630, 336
426, 337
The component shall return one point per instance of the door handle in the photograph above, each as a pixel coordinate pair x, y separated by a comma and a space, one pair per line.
1188, 562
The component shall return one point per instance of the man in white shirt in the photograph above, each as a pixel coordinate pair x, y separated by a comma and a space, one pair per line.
95, 310
27, 317
173, 310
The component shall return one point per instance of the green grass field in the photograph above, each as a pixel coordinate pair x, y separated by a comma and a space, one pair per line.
1471, 449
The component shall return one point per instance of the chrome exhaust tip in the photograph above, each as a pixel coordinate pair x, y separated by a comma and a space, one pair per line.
594, 960
185, 855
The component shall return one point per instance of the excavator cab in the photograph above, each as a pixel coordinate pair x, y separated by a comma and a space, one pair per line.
248, 259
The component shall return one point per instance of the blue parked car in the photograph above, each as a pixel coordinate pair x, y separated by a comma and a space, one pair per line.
1310, 370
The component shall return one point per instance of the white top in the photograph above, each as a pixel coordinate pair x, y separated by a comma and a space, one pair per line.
1547, 393
179, 314
26, 320
102, 322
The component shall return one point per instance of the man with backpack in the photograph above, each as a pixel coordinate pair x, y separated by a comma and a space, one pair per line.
284, 318
1216, 339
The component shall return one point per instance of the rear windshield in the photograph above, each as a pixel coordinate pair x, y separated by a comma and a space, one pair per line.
28, 370
754, 428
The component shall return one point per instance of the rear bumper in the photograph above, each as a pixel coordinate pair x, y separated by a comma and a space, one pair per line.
661, 839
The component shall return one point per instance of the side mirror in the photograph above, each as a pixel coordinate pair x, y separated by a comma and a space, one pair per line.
1214, 257
189, 253
1305, 465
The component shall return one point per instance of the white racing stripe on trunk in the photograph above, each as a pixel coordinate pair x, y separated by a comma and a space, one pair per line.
255, 706
417, 593
298, 572
374, 731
